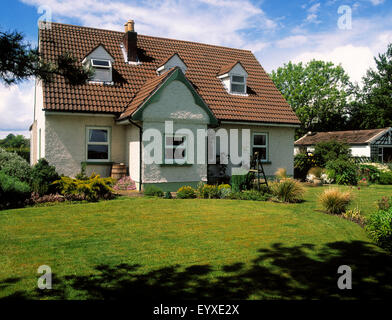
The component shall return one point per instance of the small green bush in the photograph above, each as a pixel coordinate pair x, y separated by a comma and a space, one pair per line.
342, 171
385, 177
288, 190
384, 203
207, 191
168, 195
334, 201
13, 192
186, 192
379, 228
371, 173
302, 164
250, 195
93, 189
153, 191
42, 177
15, 166
331, 151
224, 191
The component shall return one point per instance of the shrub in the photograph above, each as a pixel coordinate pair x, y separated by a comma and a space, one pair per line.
168, 195
224, 191
330, 151
82, 174
186, 192
15, 166
334, 201
125, 183
13, 192
379, 228
93, 189
384, 203
342, 171
207, 191
35, 198
153, 191
42, 177
385, 177
281, 173
316, 171
363, 183
369, 172
250, 195
241, 182
355, 216
302, 164
288, 190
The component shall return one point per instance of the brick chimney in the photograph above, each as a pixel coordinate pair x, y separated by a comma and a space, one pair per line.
130, 41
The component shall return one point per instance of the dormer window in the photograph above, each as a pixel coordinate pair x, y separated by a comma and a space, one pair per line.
101, 63
233, 77
173, 61
237, 84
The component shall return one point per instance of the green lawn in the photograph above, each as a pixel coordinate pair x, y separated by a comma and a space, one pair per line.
151, 248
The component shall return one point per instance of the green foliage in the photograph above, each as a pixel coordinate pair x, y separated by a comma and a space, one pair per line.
42, 177
385, 177
13, 192
373, 105
17, 144
207, 191
371, 173
153, 191
355, 216
241, 182
15, 166
331, 150
318, 92
82, 174
18, 61
342, 171
224, 191
384, 203
186, 192
334, 201
288, 190
253, 195
92, 189
379, 228
168, 195
302, 164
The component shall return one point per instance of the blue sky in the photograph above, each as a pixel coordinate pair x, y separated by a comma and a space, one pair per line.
276, 31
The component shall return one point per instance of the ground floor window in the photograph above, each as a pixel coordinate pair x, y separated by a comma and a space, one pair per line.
260, 145
98, 143
175, 149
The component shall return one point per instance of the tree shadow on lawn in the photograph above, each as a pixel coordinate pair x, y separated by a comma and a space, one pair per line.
299, 272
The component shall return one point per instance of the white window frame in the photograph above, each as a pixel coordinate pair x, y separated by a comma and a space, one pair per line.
184, 145
100, 66
261, 146
108, 143
235, 82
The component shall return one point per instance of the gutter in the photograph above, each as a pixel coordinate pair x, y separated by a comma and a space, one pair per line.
140, 151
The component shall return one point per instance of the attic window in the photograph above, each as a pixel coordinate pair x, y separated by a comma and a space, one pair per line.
100, 63
237, 84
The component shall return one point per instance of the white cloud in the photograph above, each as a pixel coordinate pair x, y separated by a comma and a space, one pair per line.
312, 16
210, 21
354, 59
16, 108
376, 2
292, 41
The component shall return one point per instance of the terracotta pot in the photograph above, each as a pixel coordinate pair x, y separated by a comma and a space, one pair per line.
317, 182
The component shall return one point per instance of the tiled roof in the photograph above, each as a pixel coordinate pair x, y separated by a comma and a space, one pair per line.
350, 137
264, 102
226, 68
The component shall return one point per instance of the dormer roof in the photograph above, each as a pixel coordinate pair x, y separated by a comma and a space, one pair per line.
228, 67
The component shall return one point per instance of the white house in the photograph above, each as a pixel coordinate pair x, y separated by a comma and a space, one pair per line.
142, 83
374, 143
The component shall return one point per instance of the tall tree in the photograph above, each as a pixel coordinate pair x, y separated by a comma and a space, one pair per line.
317, 91
18, 61
373, 105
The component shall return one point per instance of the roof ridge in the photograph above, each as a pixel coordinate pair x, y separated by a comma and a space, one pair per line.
155, 37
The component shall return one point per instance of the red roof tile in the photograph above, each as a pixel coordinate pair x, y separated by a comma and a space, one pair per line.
264, 102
